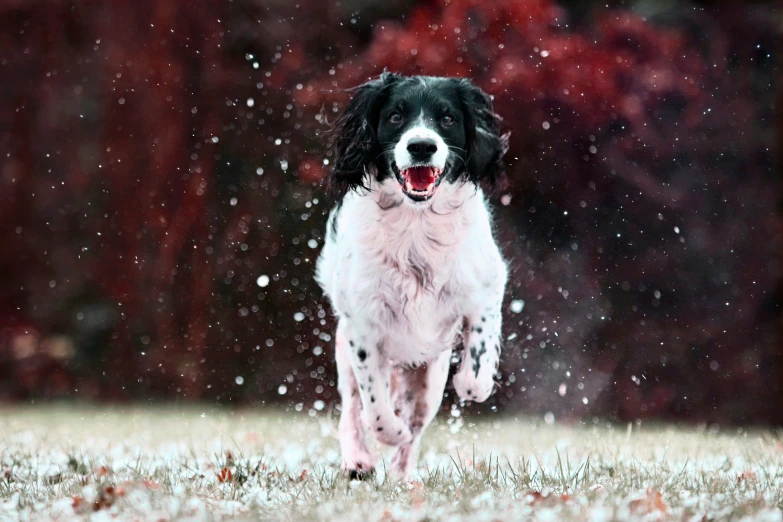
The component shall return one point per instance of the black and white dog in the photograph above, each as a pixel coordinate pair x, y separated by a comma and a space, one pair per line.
409, 262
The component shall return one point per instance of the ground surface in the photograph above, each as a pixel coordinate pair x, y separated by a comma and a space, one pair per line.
66, 463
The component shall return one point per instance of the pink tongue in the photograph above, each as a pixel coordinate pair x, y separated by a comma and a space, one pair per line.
420, 177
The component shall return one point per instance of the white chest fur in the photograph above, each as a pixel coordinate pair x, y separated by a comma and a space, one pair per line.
412, 271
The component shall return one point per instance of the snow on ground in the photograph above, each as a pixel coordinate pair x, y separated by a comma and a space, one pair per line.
136, 463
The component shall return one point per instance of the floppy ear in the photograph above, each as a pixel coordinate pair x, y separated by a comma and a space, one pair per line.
355, 144
486, 144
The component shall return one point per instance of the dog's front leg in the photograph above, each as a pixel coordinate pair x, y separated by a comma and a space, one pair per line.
475, 378
373, 371
358, 461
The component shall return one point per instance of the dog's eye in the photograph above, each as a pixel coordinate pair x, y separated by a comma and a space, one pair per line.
395, 117
447, 120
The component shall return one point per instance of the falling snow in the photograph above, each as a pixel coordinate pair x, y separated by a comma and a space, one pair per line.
517, 305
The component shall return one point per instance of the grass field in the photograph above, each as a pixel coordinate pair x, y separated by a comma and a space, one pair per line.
138, 463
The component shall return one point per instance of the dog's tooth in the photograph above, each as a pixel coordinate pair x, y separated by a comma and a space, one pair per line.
408, 186
430, 186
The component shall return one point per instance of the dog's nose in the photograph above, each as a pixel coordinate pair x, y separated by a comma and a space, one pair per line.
422, 148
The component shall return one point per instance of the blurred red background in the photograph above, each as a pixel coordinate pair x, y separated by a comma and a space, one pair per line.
162, 204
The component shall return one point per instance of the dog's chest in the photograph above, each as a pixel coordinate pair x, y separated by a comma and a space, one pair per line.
425, 321
418, 284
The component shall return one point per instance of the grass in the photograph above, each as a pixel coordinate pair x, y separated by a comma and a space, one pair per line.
137, 463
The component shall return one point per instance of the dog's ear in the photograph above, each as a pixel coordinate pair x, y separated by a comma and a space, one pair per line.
486, 143
355, 143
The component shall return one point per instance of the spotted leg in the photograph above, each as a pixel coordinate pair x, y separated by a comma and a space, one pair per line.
418, 399
357, 459
372, 371
474, 380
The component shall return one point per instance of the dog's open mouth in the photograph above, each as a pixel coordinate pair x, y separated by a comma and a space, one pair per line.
419, 183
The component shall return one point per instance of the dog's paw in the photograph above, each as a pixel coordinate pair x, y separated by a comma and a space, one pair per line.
471, 388
389, 429
358, 463
359, 474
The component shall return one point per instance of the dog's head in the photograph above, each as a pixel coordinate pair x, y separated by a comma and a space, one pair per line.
421, 131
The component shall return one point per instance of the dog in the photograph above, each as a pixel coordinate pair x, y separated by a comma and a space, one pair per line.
409, 262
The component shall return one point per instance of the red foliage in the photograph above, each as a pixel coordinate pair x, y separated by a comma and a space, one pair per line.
651, 503
139, 222
628, 222
225, 475
159, 157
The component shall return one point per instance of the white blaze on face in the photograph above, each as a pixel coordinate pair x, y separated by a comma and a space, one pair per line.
403, 158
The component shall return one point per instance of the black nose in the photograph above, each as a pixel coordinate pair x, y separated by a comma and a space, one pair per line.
422, 148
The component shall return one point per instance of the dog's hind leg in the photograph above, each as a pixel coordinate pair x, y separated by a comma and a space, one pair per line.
358, 462
418, 399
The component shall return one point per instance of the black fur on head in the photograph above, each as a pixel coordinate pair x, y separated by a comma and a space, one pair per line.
356, 148
454, 112
487, 144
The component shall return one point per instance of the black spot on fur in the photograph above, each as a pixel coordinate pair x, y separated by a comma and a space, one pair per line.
351, 343
372, 398
361, 354
380, 428
476, 356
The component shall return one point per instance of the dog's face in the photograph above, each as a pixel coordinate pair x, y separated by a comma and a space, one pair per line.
420, 131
